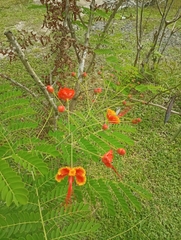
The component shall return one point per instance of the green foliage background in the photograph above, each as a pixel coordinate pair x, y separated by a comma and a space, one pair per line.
104, 208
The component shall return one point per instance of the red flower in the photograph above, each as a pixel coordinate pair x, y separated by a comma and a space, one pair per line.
107, 159
66, 93
112, 117
77, 172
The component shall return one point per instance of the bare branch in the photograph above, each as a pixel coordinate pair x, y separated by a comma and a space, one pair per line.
18, 84
155, 104
104, 32
159, 9
28, 67
84, 55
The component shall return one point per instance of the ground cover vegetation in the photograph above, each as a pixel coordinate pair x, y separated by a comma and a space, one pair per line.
90, 120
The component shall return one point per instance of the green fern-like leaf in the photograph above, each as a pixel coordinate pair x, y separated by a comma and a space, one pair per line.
11, 186
142, 192
47, 149
130, 196
75, 230
102, 191
17, 113
30, 162
123, 138
89, 148
35, 236
9, 94
19, 222
113, 142
15, 103
101, 144
16, 126
119, 197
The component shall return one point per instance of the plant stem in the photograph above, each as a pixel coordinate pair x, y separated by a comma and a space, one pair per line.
28, 67
39, 206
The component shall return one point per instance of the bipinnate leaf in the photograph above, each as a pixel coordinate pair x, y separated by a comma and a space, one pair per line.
102, 191
20, 224
76, 230
120, 198
89, 148
141, 191
123, 138
11, 186
47, 149
103, 51
30, 162
130, 196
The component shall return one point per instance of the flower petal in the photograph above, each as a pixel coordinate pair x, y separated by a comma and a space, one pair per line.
64, 171
80, 171
80, 179
111, 112
59, 177
66, 93
113, 119
107, 158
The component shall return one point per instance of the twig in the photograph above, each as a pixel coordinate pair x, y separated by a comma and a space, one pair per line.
160, 93
104, 32
155, 104
83, 57
139, 31
86, 43
28, 67
18, 84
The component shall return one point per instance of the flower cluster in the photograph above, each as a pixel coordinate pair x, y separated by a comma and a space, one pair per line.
77, 172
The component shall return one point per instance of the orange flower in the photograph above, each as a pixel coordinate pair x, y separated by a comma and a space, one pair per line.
77, 172
112, 117
107, 159
66, 93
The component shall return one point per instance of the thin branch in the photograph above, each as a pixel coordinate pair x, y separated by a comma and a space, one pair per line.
104, 32
86, 43
28, 67
155, 104
160, 93
72, 32
18, 84
84, 55
159, 9
139, 31
83, 23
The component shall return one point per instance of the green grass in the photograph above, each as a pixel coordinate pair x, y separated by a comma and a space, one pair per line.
154, 162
